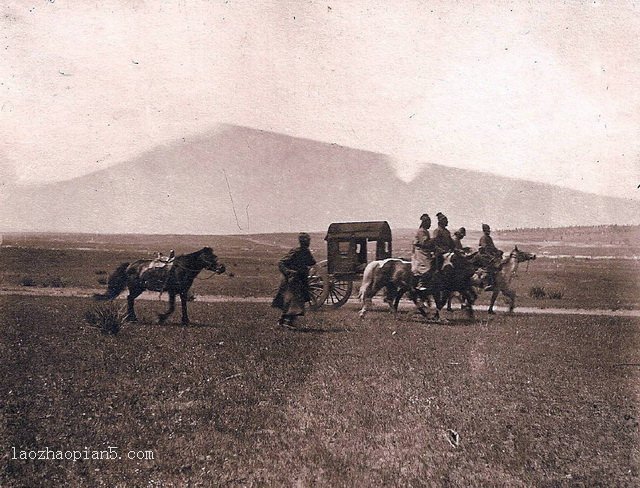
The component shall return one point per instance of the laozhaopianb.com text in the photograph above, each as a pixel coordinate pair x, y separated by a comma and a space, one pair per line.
111, 453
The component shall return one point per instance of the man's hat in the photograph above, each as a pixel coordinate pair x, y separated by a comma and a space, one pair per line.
441, 216
485, 227
461, 230
425, 216
303, 236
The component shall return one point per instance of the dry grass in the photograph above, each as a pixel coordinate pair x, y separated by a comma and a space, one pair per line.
536, 401
232, 400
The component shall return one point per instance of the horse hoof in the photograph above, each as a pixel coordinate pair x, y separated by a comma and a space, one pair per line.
491, 312
185, 322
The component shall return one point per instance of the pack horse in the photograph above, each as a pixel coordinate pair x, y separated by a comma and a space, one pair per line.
175, 277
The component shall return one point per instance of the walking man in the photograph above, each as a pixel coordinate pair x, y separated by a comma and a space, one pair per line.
293, 292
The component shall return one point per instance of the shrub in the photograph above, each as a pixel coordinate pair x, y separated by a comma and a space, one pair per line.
537, 292
107, 318
231, 274
27, 281
101, 272
102, 281
555, 294
57, 283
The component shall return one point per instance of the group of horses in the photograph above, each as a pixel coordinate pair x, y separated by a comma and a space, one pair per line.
458, 273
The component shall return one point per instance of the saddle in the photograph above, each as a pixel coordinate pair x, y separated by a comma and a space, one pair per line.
156, 276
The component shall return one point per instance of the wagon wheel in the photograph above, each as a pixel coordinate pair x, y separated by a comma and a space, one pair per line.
339, 293
319, 285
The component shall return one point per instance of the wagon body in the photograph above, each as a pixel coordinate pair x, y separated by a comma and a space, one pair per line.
348, 245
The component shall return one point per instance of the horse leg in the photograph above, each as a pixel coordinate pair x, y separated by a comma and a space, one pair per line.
494, 296
419, 303
134, 292
162, 318
389, 293
511, 295
468, 296
440, 299
183, 302
396, 303
449, 309
392, 298
367, 300
363, 310
446, 299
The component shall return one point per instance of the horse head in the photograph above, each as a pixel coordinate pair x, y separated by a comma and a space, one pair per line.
521, 256
210, 261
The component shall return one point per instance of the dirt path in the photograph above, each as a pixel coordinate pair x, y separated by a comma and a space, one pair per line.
352, 304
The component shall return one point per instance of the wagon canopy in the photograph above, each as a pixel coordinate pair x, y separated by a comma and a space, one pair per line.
372, 231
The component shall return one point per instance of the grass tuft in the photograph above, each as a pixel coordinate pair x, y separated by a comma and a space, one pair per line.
28, 281
56, 283
537, 292
108, 318
555, 294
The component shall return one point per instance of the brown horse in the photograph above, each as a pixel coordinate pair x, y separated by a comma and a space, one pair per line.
176, 279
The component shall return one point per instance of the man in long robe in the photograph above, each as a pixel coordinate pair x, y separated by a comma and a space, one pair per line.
293, 292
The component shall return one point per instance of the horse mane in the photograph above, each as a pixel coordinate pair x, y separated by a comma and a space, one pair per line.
195, 254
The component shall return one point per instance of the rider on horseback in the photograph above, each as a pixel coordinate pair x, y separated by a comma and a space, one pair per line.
491, 255
442, 241
422, 257
457, 241
441, 236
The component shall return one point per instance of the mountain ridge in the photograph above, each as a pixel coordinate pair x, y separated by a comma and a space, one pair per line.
280, 184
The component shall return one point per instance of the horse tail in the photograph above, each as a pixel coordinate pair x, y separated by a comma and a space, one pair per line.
116, 284
367, 278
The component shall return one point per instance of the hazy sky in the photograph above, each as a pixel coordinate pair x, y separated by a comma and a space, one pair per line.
547, 90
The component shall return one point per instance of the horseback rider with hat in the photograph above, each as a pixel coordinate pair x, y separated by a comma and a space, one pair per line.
491, 255
422, 256
294, 287
457, 241
441, 236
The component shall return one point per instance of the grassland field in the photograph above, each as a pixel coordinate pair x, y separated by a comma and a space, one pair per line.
234, 400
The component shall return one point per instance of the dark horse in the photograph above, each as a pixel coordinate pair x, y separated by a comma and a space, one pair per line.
177, 279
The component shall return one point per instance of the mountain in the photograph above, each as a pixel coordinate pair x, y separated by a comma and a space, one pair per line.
280, 183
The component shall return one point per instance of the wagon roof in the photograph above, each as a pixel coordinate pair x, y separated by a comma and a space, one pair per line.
373, 231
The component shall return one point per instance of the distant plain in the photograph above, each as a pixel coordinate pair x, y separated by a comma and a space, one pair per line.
234, 400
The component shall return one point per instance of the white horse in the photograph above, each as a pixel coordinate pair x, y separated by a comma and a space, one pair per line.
395, 275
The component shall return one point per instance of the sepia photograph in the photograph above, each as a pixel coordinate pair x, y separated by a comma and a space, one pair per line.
319, 244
